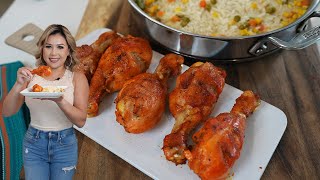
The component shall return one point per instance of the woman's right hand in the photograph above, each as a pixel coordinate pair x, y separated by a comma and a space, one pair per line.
24, 75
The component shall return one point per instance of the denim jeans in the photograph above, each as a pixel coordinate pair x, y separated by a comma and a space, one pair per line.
50, 154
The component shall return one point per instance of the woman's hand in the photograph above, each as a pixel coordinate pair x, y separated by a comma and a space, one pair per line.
14, 100
58, 100
24, 75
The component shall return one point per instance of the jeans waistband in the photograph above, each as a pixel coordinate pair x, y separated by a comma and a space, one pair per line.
40, 133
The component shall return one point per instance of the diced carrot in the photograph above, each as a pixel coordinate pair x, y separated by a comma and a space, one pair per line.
261, 28
252, 22
175, 19
202, 3
160, 13
305, 2
171, 1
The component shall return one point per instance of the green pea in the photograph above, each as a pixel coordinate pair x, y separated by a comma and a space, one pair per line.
237, 18
285, 1
184, 21
213, 2
208, 7
180, 15
140, 3
270, 9
242, 26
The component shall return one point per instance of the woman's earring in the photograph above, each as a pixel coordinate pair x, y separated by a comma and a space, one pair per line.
70, 60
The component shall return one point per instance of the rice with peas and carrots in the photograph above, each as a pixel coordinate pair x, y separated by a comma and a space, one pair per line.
225, 17
52, 89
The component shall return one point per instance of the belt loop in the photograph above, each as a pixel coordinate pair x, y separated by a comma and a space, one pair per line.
59, 136
37, 135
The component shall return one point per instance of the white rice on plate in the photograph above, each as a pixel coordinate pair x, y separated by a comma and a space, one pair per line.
52, 89
225, 17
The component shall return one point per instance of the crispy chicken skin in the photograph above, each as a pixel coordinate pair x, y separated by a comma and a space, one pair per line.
191, 102
218, 143
88, 61
42, 71
37, 88
125, 58
89, 56
141, 102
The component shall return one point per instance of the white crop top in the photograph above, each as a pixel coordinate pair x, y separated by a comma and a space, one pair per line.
46, 114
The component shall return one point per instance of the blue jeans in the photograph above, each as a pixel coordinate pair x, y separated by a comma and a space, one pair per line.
50, 154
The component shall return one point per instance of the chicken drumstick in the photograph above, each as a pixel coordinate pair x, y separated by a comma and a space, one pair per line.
42, 71
125, 58
219, 141
141, 102
191, 102
89, 56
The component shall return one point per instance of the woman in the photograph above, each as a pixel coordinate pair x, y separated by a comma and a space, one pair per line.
50, 149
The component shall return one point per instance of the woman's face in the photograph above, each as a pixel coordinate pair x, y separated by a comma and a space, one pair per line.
55, 51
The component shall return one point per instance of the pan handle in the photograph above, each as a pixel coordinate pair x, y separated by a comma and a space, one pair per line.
302, 39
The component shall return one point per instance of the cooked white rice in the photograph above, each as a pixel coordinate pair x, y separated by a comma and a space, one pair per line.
219, 20
52, 89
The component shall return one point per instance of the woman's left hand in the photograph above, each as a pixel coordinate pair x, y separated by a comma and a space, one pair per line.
57, 100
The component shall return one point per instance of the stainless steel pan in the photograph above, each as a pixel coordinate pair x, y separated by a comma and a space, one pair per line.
292, 37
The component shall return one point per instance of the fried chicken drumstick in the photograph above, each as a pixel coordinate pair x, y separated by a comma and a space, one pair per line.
42, 71
89, 56
141, 102
219, 142
125, 58
191, 102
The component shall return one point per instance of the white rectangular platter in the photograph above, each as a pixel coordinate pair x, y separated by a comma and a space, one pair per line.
263, 133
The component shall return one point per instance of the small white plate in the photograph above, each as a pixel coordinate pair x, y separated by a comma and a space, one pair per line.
28, 93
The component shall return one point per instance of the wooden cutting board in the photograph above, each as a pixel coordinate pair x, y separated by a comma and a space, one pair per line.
26, 38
